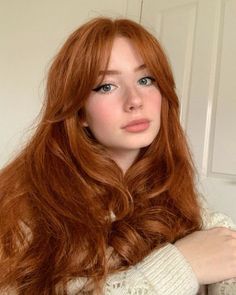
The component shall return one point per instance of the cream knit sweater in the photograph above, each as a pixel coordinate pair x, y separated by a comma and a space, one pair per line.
163, 272
166, 271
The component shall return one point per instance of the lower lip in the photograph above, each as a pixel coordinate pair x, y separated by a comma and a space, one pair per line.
137, 127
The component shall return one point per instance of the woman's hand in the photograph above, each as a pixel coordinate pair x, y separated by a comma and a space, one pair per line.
211, 253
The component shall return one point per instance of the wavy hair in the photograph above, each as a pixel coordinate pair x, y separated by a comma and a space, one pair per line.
57, 195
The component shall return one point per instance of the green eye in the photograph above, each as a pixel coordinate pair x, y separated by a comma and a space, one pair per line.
146, 81
105, 88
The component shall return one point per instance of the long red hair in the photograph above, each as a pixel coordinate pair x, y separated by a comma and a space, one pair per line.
57, 195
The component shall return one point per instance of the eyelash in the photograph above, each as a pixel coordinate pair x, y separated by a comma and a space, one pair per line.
99, 88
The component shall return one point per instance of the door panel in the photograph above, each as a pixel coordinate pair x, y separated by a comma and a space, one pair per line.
200, 40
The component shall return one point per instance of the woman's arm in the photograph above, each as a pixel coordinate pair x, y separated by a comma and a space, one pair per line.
167, 271
164, 271
213, 219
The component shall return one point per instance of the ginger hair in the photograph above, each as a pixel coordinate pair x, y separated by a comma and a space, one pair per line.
57, 194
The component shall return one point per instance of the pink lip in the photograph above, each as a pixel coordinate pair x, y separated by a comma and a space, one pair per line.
137, 125
135, 122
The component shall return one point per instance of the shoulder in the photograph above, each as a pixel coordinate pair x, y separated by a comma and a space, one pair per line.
212, 218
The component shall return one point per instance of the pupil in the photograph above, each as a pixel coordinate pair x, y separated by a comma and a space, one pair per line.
107, 87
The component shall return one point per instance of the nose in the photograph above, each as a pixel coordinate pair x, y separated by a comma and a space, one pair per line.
133, 100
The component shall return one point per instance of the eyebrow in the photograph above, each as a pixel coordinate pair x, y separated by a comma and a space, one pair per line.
115, 72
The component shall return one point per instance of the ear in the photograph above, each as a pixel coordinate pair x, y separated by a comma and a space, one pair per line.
85, 124
82, 118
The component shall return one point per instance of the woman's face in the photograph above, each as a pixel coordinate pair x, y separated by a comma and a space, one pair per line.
123, 112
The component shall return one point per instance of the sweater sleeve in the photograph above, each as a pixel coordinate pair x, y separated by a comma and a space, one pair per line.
216, 219
165, 271
169, 272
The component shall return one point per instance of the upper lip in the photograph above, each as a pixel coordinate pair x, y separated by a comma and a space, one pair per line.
135, 122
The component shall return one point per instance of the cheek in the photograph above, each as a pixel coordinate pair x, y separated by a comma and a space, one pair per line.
101, 120
159, 105
155, 102
99, 114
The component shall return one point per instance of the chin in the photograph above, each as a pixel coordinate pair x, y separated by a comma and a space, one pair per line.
146, 141
142, 144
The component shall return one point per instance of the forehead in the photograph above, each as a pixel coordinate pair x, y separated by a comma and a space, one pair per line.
124, 51
123, 56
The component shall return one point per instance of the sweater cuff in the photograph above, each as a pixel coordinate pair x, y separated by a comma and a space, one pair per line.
169, 272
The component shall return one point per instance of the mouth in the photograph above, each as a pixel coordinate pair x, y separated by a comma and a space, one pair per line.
137, 125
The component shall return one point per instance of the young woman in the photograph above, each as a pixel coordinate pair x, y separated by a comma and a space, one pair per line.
102, 200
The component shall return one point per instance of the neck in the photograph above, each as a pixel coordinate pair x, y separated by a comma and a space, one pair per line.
124, 159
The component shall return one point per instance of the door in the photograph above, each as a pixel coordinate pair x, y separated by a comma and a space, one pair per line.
200, 39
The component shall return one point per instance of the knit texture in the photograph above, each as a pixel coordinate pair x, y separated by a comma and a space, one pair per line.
163, 272
166, 271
